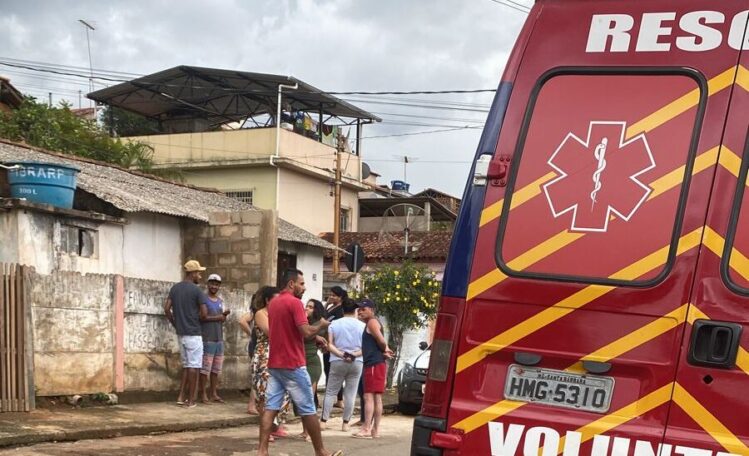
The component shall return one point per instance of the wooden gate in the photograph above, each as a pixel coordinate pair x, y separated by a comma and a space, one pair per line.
15, 394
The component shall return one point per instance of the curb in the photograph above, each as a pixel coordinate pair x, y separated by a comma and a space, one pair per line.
123, 431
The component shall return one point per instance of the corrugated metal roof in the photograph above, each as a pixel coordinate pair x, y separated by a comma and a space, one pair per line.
132, 191
220, 95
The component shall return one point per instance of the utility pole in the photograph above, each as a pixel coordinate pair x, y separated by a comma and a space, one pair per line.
337, 204
90, 27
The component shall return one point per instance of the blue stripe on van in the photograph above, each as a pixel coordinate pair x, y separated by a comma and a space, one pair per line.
458, 267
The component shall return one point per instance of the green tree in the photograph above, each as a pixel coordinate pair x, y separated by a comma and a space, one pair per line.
58, 129
406, 295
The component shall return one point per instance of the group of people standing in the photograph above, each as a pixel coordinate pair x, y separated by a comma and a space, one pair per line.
198, 318
286, 337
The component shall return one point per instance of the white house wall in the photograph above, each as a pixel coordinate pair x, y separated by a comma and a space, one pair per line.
152, 247
310, 261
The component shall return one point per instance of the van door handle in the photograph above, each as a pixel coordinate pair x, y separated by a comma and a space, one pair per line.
714, 344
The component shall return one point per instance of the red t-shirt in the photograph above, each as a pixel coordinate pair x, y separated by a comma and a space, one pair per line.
285, 314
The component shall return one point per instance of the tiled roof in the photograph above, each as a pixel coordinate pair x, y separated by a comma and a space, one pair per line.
424, 245
132, 191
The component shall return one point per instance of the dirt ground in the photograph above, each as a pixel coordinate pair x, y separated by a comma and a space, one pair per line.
240, 441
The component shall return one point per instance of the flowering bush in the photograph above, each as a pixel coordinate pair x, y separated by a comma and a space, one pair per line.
406, 295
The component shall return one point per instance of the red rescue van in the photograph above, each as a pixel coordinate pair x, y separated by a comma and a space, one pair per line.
596, 297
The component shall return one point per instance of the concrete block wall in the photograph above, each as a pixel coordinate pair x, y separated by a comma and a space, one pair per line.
103, 333
241, 247
73, 332
151, 352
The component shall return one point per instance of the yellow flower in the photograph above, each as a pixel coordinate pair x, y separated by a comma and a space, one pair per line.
398, 298
414, 283
395, 272
397, 287
415, 311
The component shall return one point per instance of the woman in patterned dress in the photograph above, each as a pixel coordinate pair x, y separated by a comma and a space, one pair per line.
260, 360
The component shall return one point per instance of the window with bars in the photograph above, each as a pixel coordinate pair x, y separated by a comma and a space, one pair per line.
245, 196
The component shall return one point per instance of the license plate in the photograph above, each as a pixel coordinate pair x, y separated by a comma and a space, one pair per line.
559, 388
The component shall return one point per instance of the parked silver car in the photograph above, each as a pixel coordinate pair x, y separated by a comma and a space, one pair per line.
411, 381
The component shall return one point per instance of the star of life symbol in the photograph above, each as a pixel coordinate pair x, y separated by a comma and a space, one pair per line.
599, 176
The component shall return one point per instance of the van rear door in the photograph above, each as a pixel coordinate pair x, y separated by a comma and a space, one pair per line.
586, 255
710, 408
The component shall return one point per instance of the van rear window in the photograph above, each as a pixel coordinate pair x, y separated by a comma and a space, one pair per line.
597, 180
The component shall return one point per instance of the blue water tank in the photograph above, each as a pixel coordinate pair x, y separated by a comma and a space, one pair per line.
400, 185
45, 183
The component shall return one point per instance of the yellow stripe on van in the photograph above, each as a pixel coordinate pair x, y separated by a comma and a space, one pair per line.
673, 179
623, 415
519, 197
730, 161
682, 104
742, 360
613, 350
640, 336
708, 421
573, 302
742, 78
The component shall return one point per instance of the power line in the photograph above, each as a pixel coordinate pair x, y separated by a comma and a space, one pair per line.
511, 5
106, 75
416, 92
427, 132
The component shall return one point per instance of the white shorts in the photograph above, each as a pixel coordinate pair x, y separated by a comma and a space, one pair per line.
191, 351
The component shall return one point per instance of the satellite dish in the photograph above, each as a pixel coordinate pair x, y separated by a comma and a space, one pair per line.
365, 171
405, 219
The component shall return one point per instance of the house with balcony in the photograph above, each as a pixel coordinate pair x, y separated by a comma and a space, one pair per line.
267, 140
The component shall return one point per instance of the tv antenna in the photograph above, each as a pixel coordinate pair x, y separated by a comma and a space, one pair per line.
405, 159
88, 27
403, 218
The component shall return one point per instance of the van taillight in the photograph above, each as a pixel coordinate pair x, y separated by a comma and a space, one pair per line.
442, 359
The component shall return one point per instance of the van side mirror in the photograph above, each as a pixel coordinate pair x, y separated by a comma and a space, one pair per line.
423, 345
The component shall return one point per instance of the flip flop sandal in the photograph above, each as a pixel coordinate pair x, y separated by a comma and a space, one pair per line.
337, 453
181, 403
361, 436
219, 400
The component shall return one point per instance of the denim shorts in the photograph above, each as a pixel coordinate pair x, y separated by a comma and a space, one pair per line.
299, 386
191, 351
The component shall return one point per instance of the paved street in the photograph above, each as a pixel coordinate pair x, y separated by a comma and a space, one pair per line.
395, 440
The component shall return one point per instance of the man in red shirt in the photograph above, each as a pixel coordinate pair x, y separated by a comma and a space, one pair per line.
287, 329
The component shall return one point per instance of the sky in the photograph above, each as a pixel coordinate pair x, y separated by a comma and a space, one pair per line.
334, 45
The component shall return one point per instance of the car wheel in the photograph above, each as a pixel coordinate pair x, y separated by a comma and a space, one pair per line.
408, 409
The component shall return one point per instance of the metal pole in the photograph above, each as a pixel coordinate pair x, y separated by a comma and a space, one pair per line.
90, 61
337, 205
278, 137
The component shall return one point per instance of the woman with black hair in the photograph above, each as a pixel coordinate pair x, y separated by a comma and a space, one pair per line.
315, 312
261, 374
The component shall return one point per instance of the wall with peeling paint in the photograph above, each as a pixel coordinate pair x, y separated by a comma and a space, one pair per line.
148, 246
74, 336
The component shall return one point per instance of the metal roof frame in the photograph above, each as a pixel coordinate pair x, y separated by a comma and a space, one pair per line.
222, 96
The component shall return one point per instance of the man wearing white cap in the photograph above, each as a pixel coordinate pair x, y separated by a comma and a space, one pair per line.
212, 318
182, 309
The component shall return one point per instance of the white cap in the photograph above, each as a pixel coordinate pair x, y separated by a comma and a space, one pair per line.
214, 278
